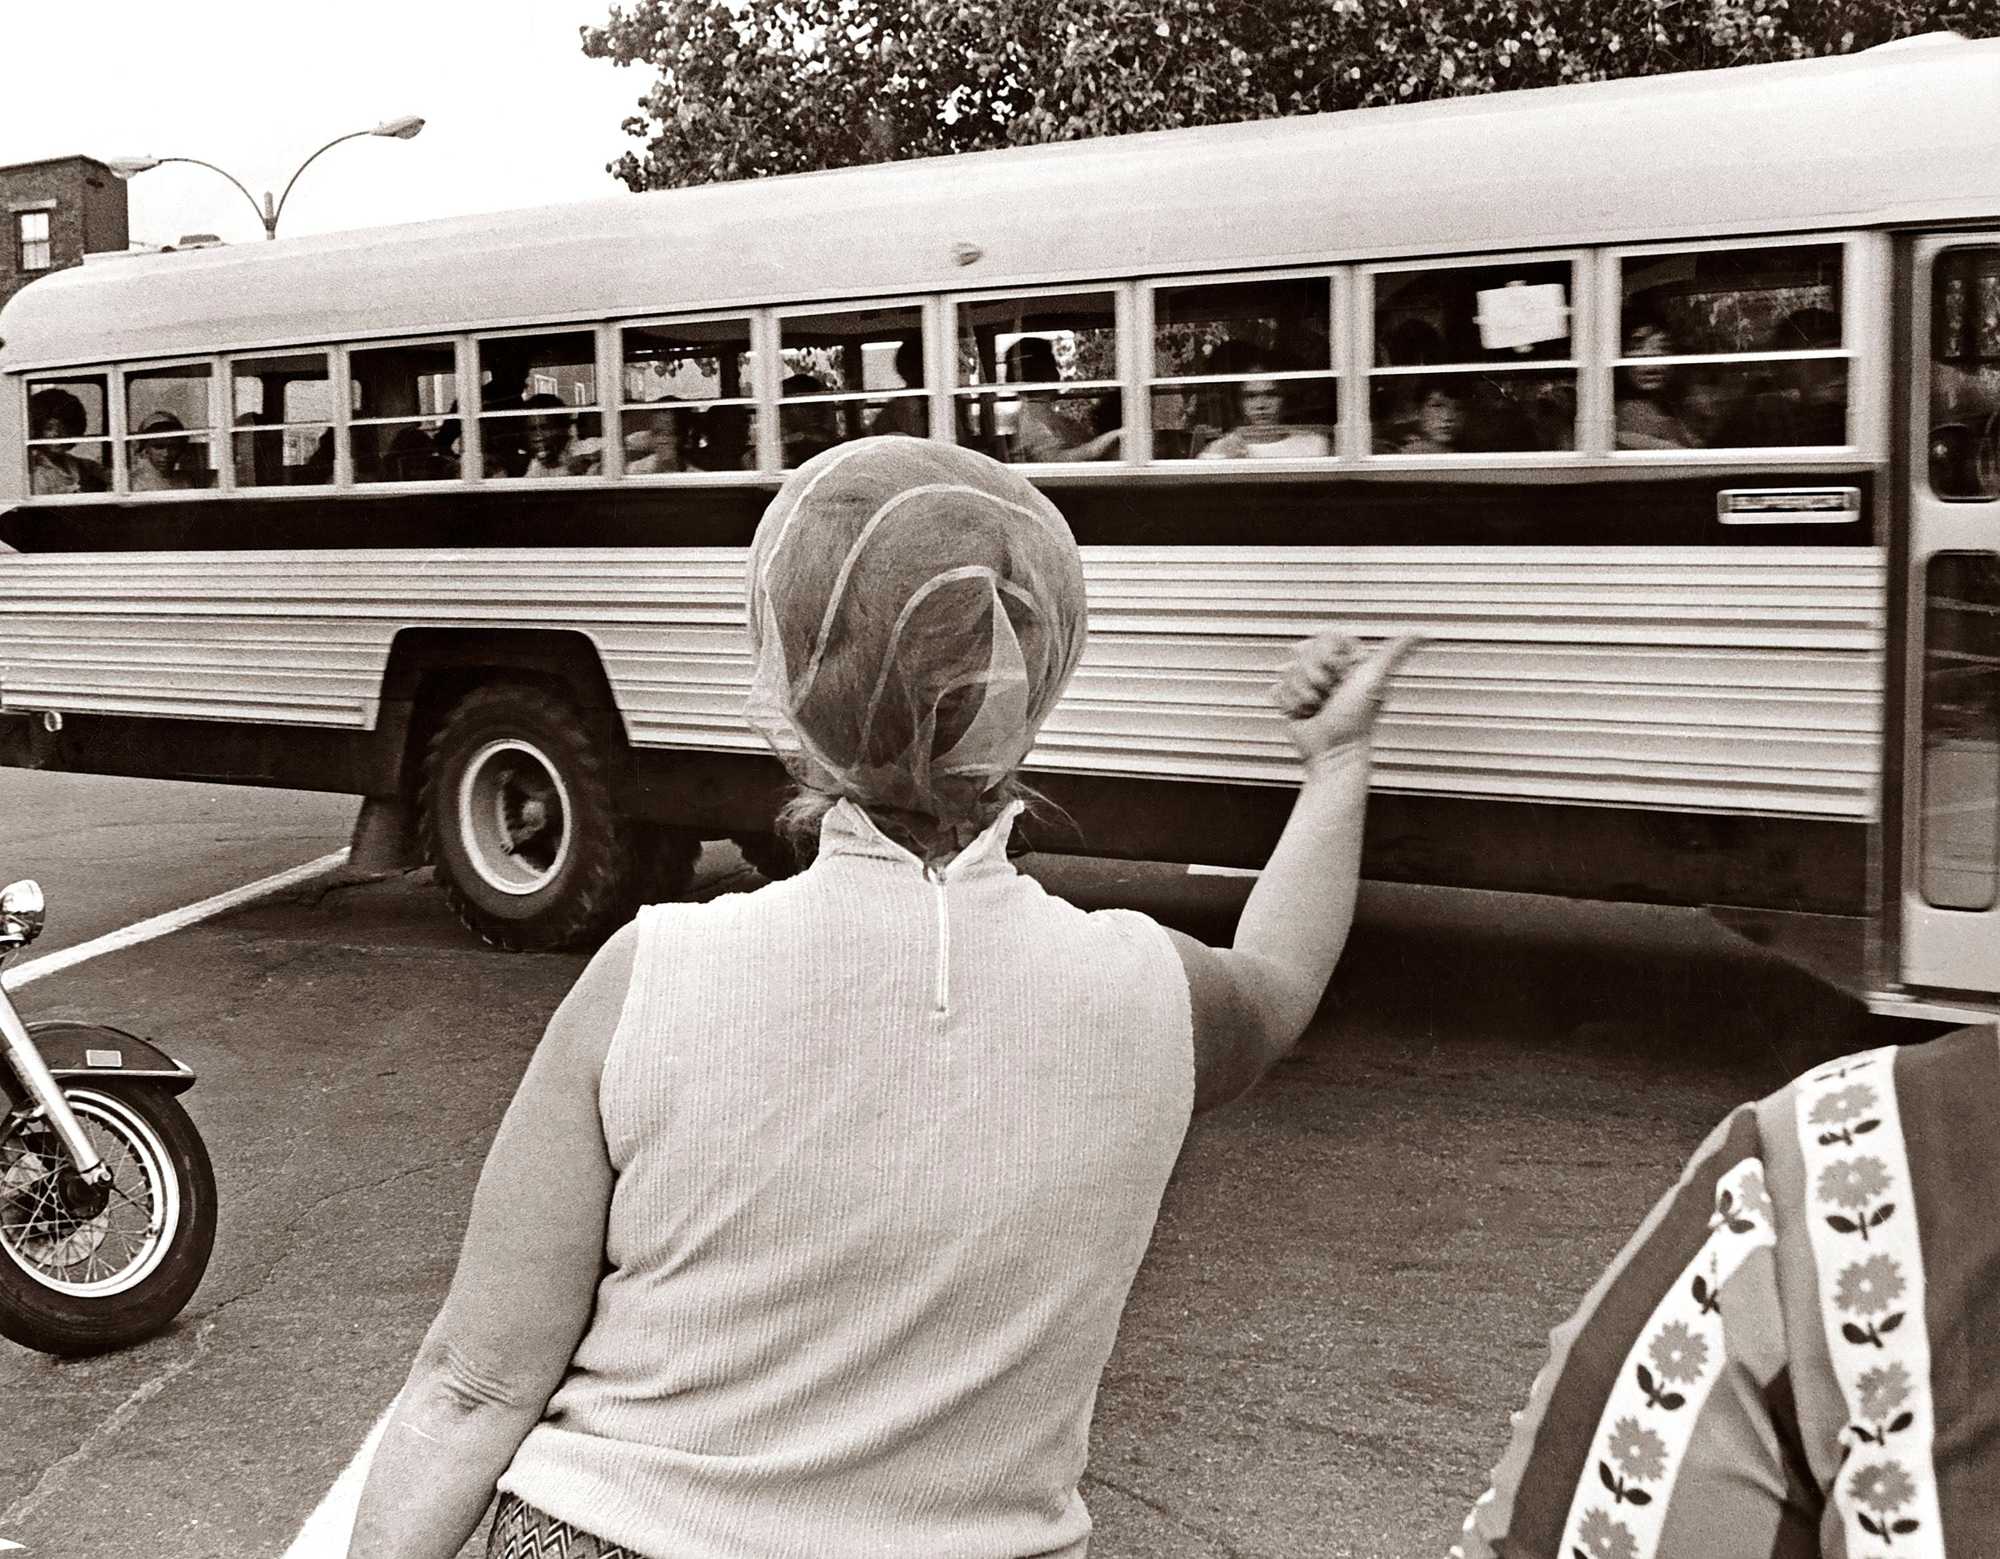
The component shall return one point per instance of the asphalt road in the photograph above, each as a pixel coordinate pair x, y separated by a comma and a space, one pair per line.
109, 852
1349, 1287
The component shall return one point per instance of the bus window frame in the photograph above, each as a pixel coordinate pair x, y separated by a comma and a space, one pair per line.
1339, 366
121, 482
615, 442
464, 358
1134, 445
335, 401
928, 306
1584, 263
595, 329
112, 438
1863, 277
754, 320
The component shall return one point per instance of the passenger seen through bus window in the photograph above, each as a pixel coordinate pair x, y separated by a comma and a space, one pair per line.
1648, 414
809, 429
1261, 430
549, 446
54, 467
652, 443
1437, 418
907, 413
1041, 430
1737, 309
158, 457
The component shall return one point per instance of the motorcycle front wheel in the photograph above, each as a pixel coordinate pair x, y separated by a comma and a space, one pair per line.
84, 1269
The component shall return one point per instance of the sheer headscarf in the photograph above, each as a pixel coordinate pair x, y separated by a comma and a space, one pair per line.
916, 610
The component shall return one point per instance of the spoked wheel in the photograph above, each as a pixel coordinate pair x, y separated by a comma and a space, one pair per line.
519, 820
87, 1267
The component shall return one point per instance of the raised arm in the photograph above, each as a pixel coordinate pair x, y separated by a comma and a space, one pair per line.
1253, 1000
521, 1298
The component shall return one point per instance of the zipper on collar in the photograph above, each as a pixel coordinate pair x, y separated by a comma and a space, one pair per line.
934, 875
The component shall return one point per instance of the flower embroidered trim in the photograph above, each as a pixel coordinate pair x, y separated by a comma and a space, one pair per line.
1619, 1510
1862, 1224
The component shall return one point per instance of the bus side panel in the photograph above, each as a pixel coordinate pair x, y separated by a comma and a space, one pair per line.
1739, 680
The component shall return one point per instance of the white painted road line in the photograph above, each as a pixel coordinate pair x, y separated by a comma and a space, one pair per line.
1198, 870
331, 1525
173, 920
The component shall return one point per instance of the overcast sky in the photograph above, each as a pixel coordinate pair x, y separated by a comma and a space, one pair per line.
516, 116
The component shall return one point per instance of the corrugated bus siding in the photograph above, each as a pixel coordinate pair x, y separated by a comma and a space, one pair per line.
1742, 679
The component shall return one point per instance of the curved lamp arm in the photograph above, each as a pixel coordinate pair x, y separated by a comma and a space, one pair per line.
262, 215
272, 214
403, 129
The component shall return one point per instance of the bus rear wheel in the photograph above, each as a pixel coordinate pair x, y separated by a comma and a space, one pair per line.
520, 821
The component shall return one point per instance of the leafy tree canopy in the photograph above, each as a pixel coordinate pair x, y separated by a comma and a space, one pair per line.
753, 87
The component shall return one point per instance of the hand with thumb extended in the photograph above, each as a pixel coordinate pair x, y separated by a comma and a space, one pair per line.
1333, 687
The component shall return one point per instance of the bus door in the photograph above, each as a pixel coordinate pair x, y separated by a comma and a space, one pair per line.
1950, 888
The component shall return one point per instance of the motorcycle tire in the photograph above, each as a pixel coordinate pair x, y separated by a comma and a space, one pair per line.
72, 1285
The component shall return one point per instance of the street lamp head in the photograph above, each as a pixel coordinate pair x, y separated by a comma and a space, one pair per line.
126, 167
403, 129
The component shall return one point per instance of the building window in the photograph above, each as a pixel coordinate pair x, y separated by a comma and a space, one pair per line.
34, 232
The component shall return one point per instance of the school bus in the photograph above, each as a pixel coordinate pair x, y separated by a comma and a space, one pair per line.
1667, 409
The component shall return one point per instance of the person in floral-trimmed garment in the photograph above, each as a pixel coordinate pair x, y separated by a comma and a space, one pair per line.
1798, 1354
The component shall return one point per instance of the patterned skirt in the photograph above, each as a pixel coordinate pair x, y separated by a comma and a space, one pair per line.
520, 1531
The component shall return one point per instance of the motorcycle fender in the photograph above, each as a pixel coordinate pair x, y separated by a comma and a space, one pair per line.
105, 1054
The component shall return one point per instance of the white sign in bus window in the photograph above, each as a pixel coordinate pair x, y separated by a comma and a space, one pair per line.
1517, 316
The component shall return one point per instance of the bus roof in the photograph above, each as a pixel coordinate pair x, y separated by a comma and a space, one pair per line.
1901, 134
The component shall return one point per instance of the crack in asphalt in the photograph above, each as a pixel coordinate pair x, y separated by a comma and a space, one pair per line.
306, 1215
117, 1419
1215, 1540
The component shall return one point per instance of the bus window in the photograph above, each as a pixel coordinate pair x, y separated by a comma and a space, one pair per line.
847, 375
1038, 377
538, 407
1732, 349
281, 420
1473, 360
689, 400
67, 449
1965, 374
166, 418
1960, 844
1251, 368
402, 403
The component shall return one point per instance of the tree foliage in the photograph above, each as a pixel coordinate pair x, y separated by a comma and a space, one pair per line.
753, 87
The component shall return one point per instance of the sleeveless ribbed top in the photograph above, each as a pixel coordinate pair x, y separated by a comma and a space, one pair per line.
889, 1146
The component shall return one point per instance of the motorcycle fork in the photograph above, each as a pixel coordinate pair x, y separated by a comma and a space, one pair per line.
47, 1094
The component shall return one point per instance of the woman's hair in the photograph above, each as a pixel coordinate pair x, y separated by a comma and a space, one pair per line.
916, 609
1425, 388
798, 820
59, 407
1032, 360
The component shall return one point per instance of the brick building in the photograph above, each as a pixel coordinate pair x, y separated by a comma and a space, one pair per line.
57, 211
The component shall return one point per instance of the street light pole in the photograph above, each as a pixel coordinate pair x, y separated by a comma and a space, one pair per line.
402, 129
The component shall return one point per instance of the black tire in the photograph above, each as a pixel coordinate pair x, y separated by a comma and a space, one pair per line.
71, 1285
519, 819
